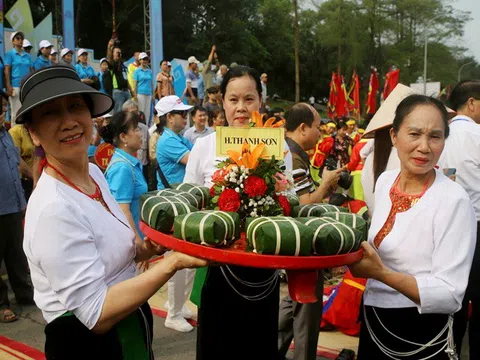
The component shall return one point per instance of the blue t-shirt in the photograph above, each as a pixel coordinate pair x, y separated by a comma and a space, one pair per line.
126, 182
201, 87
100, 79
85, 72
2, 69
171, 148
144, 78
20, 64
41, 62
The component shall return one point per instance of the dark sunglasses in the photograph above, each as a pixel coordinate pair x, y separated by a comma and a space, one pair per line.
183, 113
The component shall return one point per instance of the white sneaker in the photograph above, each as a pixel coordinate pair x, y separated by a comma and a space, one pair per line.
186, 312
178, 324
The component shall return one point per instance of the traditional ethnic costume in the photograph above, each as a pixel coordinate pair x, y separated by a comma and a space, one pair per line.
417, 235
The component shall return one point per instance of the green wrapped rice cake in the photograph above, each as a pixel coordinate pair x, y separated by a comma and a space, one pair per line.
207, 227
159, 212
331, 237
353, 220
278, 236
201, 192
293, 199
192, 199
316, 210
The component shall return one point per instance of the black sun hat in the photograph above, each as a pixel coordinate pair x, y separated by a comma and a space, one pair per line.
57, 81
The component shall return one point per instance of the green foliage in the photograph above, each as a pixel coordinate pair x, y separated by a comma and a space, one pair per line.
345, 34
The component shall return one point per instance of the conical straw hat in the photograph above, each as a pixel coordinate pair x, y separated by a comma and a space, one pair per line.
386, 113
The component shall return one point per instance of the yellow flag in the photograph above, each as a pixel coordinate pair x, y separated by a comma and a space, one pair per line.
20, 17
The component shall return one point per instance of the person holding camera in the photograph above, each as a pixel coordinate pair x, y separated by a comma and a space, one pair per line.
302, 321
121, 88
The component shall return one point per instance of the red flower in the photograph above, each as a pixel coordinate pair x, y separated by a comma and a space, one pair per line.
284, 204
229, 200
255, 186
212, 191
218, 176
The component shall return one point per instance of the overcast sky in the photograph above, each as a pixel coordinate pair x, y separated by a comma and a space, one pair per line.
472, 29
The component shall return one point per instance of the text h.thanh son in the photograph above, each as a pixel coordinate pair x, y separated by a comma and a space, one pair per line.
240, 140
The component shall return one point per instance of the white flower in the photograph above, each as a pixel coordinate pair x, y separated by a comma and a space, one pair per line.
235, 168
241, 185
237, 189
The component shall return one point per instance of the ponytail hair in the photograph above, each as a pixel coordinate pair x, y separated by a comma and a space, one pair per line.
120, 123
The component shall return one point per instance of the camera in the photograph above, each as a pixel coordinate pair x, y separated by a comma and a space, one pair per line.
345, 180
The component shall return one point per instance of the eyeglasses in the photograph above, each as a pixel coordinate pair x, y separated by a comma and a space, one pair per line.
183, 113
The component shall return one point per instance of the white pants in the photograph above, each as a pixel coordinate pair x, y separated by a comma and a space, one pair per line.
15, 105
144, 105
179, 288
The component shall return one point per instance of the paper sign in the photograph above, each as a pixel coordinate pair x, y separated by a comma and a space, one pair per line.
103, 154
232, 138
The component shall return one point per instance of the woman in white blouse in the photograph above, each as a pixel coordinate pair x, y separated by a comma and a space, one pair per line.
236, 302
420, 244
80, 247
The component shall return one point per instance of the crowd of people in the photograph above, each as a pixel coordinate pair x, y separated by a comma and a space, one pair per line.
83, 248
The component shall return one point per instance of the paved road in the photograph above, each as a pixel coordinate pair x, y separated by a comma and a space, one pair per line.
167, 344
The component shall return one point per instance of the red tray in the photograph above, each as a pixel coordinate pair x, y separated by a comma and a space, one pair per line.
301, 272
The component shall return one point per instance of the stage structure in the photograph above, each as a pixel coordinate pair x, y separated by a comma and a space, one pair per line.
153, 28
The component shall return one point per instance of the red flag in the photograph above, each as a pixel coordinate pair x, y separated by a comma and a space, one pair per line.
391, 80
342, 106
372, 92
332, 98
354, 96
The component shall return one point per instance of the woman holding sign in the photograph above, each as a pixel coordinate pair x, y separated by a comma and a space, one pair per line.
231, 309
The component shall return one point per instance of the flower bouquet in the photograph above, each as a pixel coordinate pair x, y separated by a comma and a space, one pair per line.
249, 184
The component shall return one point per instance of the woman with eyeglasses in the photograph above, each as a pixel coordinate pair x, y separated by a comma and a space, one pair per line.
172, 148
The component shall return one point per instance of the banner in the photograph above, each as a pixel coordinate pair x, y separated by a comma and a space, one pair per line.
20, 17
391, 80
372, 92
43, 31
342, 106
354, 96
332, 98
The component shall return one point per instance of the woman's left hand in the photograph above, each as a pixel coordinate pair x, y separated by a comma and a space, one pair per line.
370, 266
152, 247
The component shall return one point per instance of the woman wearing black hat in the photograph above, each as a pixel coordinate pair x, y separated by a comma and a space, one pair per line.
80, 247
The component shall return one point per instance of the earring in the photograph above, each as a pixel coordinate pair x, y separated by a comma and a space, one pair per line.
126, 144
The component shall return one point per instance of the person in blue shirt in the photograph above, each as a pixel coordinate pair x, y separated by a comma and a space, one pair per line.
43, 59
105, 77
84, 70
172, 148
12, 205
143, 86
18, 65
125, 173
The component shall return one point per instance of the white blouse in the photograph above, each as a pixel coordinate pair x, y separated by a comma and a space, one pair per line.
434, 241
75, 248
202, 161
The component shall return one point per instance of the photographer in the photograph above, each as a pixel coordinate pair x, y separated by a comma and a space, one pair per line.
121, 88
302, 321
